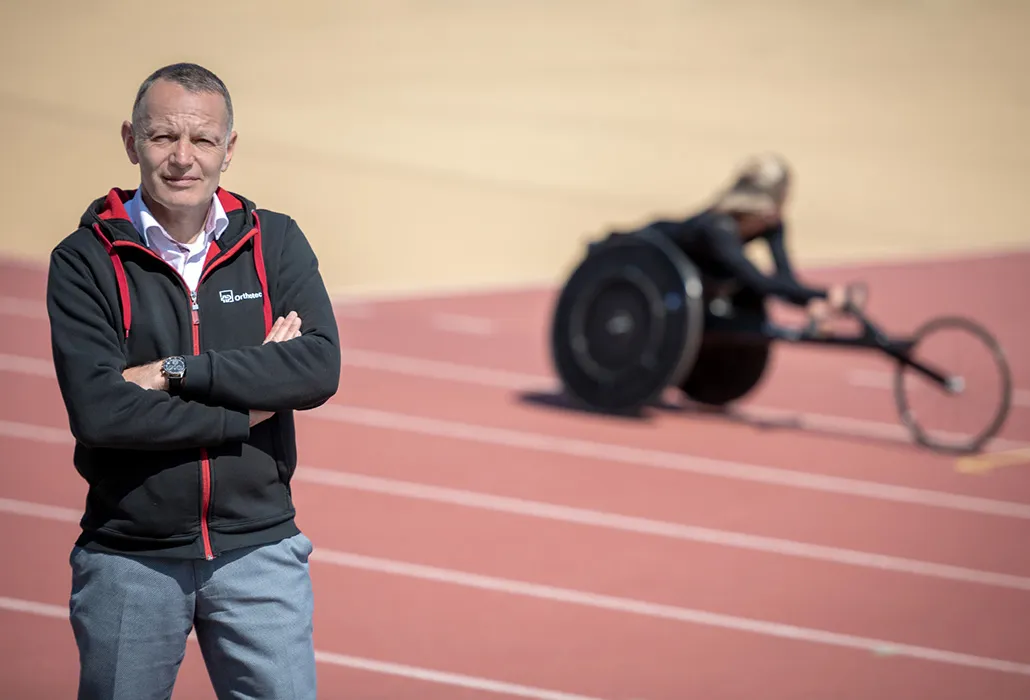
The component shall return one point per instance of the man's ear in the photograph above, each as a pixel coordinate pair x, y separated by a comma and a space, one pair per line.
129, 141
230, 148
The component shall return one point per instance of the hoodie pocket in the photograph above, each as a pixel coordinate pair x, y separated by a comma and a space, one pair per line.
246, 482
146, 495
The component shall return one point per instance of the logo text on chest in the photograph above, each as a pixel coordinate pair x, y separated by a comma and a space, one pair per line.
227, 296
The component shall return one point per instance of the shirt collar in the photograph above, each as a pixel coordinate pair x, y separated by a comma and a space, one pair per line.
214, 226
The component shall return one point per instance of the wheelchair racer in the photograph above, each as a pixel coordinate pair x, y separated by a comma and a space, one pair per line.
750, 209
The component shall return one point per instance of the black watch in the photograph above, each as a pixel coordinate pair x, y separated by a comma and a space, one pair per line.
174, 369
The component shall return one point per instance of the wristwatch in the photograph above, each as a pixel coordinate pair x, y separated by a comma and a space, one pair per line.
174, 369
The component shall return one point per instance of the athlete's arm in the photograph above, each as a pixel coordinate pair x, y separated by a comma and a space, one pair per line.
776, 240
725, 245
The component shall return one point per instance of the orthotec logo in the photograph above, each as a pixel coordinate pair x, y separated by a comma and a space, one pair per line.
227, 296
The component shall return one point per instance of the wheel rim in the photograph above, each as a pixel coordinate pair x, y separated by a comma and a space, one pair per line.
625, 324
972, 409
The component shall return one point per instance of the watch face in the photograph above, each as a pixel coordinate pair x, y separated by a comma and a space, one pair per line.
174, 365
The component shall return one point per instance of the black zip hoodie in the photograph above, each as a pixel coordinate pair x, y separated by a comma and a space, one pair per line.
186, 476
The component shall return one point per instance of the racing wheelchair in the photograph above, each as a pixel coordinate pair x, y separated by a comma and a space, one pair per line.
636, 317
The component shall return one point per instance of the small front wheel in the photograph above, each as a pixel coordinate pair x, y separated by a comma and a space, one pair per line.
969, 408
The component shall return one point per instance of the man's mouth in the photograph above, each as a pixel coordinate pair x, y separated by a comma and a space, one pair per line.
181, 181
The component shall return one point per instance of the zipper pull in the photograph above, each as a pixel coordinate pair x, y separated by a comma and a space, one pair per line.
196, 308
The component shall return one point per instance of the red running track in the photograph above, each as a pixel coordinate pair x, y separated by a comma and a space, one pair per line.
473, 540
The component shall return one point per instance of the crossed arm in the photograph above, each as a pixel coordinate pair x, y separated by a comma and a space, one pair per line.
150, 376
226, 392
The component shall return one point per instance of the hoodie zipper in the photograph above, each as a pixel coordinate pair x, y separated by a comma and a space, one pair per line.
205, 461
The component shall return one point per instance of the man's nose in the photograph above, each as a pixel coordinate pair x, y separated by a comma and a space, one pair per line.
182, 155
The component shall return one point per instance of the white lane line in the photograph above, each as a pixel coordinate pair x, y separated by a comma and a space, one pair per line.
517, 381
371, 665
856, 427
40, 510
20, 364
37, 433
582, 516
445, 678
550, 444
33, 608
633, 606
870, 379
356, 310
462, 324
481, 376
26, 308
444, 371
645, 526
877, 379
660, 611
633, 456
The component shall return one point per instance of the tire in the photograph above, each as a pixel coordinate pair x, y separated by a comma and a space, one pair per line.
729, 366
958, 442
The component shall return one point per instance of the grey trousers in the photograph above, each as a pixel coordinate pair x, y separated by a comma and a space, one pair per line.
251, 610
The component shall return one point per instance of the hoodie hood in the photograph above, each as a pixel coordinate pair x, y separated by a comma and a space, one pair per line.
107, 218
109, 213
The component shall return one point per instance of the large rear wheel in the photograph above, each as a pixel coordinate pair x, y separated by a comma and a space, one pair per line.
627, 323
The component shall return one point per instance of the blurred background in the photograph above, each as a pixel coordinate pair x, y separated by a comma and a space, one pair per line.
437, 145
451, 143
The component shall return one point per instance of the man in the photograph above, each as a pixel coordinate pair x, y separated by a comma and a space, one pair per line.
187, 325
750, 209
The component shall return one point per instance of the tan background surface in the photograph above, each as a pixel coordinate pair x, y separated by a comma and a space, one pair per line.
441, 143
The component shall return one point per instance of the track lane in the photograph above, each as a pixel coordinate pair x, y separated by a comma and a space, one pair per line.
37, 400
661, 567
901, 529
756, 585
414, 621
799, 450
957, 538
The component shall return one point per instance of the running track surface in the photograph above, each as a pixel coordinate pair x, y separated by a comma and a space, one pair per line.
474, 540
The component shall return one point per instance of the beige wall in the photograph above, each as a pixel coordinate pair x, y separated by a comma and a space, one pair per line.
446, 142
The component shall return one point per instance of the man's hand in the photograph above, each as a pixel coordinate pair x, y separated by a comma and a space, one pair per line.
148, 376
284, 329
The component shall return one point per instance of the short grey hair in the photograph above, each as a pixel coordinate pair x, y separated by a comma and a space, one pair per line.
190, 76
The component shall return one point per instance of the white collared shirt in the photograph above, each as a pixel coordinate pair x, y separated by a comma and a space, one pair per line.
188, 260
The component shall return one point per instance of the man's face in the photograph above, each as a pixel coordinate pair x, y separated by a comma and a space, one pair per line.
181, 146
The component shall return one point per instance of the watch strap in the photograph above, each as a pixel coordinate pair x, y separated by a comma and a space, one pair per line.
175, 379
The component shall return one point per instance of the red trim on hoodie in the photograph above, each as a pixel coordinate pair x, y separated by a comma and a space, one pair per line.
229, 203
115, 205
119, 274
259, 267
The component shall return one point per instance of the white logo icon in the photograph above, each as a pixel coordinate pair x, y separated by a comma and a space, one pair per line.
227, 296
